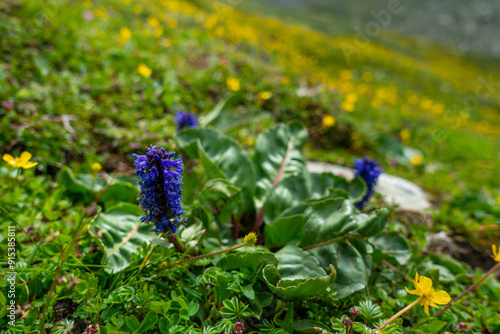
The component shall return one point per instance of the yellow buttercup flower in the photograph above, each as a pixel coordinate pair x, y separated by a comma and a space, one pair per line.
265, 95
233, 84
96, 167
423, 288
144, 70
416, 160
20, 162
404, 134
250, 239
328, 121
496, 254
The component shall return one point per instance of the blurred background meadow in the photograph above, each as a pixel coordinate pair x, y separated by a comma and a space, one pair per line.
414, 85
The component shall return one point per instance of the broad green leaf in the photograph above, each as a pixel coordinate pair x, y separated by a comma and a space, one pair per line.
279, 148
229, 156
298, 275
294, 263
254, 259
352, 273
216, 112
284, 230
222, 197
392, 245
454, 266
327, 220
287, 193
121, 233
372, 224
321, 182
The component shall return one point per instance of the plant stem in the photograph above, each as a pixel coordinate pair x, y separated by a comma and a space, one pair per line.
195, 258
396, 270
400, 313
173, 239
471, 288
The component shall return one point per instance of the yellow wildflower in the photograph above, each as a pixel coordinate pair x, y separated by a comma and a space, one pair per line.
125, 35
497, 200
328, 121
20, 162
423, 288
144, 70
172, 23
96, 167
404, 134
496, 254
250, 239
348, 106
153, 22
416, 160
233, 84
265, 95
351, 98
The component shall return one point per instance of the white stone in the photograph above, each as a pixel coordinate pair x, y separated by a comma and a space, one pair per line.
395, 190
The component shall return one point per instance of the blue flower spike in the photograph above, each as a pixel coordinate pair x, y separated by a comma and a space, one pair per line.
160, 180
369, 171
185, 119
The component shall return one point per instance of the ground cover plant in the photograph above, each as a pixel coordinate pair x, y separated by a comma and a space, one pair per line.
154, 177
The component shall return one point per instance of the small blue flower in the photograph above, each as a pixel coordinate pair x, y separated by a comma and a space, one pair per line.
369, 171
185, 119
161, 194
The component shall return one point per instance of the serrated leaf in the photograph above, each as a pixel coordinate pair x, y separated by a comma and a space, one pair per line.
284, 230
372, 224
254, 259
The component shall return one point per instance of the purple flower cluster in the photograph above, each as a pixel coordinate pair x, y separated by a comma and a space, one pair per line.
92, 329
185, 119
161, 193
239, 328
369, 171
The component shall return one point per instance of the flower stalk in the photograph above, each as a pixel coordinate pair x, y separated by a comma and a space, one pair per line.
471, 288
249, 240
400, 313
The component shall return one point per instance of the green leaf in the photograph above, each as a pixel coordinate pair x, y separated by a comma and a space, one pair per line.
280, 147
132, 323
326, 220
221, 289
227, 154
392, 245
284, 230
121, 233
373, 224
222, 197
349, 263
216, 112
254, 259
287, 193
308, 327
287, 324
85, 187
357, 189
149, 321
294, 263
302, 275
321, 182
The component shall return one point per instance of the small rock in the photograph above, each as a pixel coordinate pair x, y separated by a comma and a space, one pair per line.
395, 190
